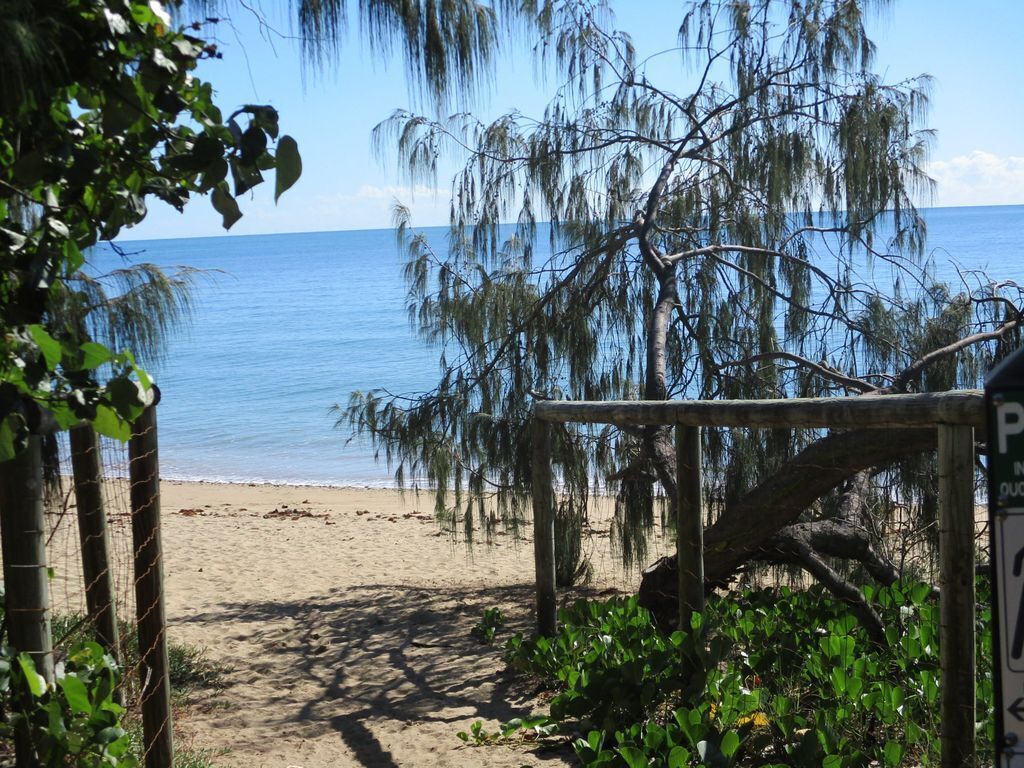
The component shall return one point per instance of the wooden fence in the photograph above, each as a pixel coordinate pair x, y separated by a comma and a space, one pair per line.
27, 594
955, 416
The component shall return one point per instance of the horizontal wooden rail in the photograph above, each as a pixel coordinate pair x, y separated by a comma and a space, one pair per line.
964, 407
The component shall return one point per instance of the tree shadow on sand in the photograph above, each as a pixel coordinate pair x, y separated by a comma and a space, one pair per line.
380, 653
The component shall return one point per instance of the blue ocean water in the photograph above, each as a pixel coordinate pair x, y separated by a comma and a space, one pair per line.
291, 324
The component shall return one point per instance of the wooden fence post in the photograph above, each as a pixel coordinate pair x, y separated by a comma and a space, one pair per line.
689, 524
95, 539
26, 582
957, 599
144, 471
543, 527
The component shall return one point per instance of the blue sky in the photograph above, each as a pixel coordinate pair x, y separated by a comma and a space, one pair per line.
973, 53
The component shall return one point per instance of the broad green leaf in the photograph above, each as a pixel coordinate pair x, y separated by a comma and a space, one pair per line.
76, 694
55, 717
147, 384
289, 165
48, 346
245, 176
730, 743
215, 173
13, 433
635, 758
108, 423
919, 593
94, 355
679, 757
893, 753
129, 396
225, 205
73, 257
265, 117
896, 697
254, 142
107, 735
36, 682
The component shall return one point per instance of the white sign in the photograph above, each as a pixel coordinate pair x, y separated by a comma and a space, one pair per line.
1009, 544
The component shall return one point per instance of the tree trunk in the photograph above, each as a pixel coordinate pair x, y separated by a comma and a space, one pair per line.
659, 440
747, 524
762, 524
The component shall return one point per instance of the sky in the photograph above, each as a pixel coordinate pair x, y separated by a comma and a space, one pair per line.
973, 52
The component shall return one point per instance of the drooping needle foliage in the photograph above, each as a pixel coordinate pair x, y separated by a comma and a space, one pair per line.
706, 230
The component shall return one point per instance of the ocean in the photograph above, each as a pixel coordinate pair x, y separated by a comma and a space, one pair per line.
287, 326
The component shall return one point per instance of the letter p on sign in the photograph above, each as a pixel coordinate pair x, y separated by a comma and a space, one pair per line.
1009, 426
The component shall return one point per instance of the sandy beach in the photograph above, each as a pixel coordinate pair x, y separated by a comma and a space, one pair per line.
342, 619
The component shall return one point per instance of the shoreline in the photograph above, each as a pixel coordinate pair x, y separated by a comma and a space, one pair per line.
354, 486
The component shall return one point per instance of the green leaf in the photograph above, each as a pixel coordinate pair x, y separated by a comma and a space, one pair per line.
214, 173
76, 694
94, 355
13, 434
48, 346
265, 117
55, 717
36, 682
128, 396
225, 205
730, 743
110, 734
893, 753
635, 758
109, 423
254, 142
245, 176
289, 165
896, 697
679, 757
920, 593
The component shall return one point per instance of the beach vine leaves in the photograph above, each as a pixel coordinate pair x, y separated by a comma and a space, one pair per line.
89, 137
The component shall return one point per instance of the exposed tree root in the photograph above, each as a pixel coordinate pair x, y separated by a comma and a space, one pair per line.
805, 544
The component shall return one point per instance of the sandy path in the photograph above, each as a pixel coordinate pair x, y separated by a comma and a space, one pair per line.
346, 634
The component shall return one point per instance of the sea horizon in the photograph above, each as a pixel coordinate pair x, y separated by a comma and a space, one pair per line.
126, 235
291, 323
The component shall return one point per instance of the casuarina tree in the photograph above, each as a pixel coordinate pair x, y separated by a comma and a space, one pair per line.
702, 230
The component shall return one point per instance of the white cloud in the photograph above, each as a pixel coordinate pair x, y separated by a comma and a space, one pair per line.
978, 178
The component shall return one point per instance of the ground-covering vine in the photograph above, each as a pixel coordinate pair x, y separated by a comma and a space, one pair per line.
765, 678
77, 720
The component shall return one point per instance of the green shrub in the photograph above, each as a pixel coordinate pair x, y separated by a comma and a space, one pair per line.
485, 630
765, 677
74, 722
77, 722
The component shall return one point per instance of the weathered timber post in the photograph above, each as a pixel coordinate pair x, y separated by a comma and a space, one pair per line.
957, 600
543, 527
689, 524
26, 583
95, 539
144, 472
